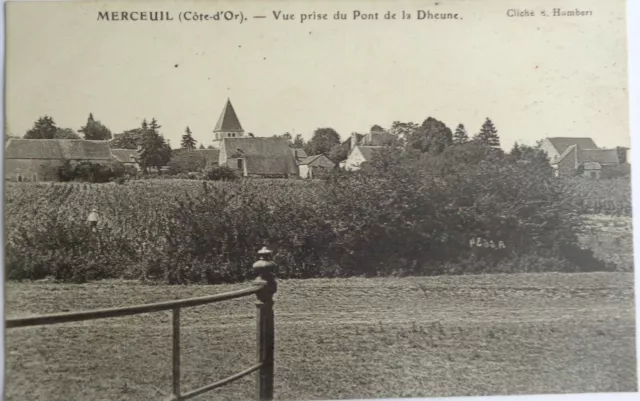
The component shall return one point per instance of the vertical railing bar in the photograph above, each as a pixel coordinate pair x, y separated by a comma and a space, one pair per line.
265, 338
176, 354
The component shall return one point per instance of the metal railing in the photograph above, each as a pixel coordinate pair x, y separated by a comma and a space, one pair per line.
264, 288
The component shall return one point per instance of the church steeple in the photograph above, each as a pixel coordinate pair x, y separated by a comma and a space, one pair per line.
228, 124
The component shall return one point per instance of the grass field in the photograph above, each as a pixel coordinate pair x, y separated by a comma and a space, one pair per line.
337, 338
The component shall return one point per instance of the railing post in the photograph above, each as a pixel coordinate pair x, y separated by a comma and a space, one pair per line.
176, 355
265, 323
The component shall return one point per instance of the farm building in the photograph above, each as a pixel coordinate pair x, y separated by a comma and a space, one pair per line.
312, 166
258, 157
362, 147
40, 159
128, 157
360, 155
555, 147
571, 156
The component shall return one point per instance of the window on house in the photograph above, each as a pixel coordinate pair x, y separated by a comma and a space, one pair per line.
19, 178
241, 164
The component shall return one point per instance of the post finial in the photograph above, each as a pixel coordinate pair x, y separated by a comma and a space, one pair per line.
265, 268
264, 253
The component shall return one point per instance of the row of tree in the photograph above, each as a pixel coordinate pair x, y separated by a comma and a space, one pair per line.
432, 136
46, 128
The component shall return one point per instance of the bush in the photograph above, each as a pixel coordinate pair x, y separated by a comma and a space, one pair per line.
221, 173
91, 172
406, 212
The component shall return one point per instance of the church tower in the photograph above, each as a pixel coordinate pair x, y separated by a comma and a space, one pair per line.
228, 125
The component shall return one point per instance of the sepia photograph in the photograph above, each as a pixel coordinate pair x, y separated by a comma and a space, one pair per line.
317, 200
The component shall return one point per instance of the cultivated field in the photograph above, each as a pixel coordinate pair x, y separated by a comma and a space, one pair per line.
338, 338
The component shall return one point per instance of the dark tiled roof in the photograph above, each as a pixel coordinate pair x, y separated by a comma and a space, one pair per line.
210, 155
262, 155
561, 144
65, 149
318, 160
228, 121
602, 156
298, 153
125, 155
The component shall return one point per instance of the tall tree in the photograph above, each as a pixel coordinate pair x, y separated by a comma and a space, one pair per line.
154, 151
298, 141
95, 130
287, 137
130, 139
432, 136
377, 128
403, 130
339, 152
322, 141
187, 140
488, 134
201, 146
153, 125
516, 152
460, 137
43, 128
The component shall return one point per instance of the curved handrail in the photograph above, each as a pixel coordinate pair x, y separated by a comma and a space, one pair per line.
128, 310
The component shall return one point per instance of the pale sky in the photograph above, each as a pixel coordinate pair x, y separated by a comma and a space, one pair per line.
533, 76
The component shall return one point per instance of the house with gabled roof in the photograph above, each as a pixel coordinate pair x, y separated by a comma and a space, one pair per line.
360, 155
40, 159
315, 166
556, 146
258, 157
572, 156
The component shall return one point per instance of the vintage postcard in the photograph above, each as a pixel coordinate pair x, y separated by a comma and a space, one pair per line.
317, 200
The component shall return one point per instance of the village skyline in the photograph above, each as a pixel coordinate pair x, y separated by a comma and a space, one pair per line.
299, 77
210, 140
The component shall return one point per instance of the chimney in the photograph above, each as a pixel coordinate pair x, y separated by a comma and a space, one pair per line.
622, 155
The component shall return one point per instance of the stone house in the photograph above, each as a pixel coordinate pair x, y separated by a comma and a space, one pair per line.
313, 166
40, 159
258, 157
572, 156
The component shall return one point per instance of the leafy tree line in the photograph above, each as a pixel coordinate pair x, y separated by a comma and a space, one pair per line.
432, 136
46, 128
